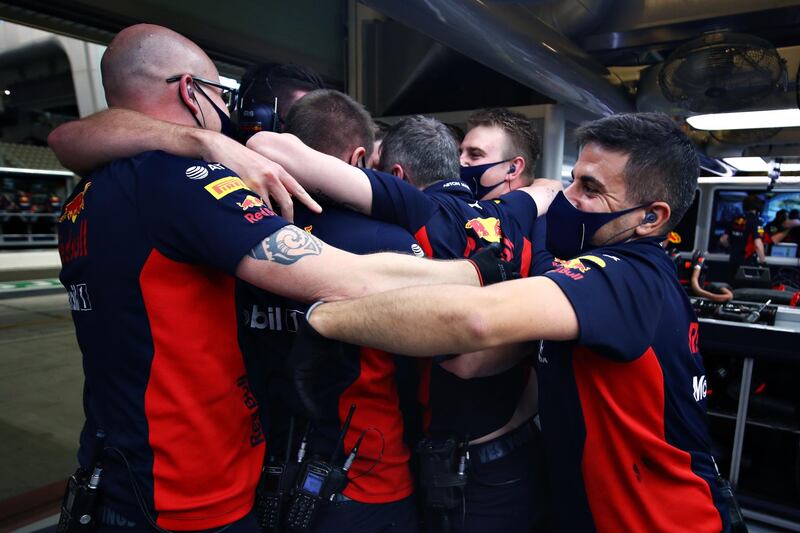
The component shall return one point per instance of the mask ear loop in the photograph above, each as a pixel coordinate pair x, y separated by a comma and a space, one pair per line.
197, 86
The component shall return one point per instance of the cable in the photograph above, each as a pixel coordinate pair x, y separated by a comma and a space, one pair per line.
380, 455
140, 499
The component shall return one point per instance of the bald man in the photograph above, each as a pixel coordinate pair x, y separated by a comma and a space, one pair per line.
151, 246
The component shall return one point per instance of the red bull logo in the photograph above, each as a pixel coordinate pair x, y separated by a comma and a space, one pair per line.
487, 229
250, 202
74, 207
572, 264
576, 268
674, 237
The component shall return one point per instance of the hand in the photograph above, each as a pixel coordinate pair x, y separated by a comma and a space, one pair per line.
265, 177
492, 269
311, 358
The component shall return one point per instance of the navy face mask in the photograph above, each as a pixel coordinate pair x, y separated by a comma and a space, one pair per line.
472, 177
570, 230
226, 126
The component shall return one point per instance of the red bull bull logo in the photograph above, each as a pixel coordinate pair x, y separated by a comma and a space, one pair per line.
673, 237
576, 268
487, 229
250, 202
74, 207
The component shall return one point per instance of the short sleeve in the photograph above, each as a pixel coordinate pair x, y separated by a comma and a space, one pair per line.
521, 206
391, 238
398, 202
200, 212
616, 298
543, 260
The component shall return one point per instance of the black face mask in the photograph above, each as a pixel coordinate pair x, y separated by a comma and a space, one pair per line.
226, 125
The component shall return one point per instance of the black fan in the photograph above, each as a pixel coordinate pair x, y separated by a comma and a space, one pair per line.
721, 72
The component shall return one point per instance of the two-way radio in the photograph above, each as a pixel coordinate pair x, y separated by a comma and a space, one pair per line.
275, 487
320, 481
80, 498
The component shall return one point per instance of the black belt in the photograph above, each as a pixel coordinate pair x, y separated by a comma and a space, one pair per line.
486, 452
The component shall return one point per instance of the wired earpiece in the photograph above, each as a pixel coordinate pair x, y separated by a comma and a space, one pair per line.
512, 169
649, 218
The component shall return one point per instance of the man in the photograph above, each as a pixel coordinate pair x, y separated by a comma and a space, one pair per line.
150, 246
267, 86
504, 146
448, 222
622, 403
744, 238
492, 408
378, 496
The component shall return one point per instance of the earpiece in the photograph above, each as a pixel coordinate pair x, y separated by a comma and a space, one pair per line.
191, 92
512, 169
649, 218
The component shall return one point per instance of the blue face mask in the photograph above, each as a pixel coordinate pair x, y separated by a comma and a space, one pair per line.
570, 230
226, 126
472, 177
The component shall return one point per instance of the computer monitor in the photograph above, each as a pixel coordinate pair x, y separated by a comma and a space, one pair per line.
784, 249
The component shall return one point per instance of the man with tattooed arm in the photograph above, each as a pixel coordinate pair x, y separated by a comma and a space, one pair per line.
151, 248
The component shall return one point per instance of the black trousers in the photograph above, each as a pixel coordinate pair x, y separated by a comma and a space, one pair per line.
508, 494
355, 517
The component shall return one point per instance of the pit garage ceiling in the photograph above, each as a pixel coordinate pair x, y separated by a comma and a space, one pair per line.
234, 32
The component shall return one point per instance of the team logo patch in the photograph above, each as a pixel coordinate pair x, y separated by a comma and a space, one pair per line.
224, 186
487, 229
197, 173
309, 229
74, 207
674, 237
416, 249
576, 268
250, 202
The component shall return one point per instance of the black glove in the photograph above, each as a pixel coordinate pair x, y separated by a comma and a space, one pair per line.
492, 269
312, 357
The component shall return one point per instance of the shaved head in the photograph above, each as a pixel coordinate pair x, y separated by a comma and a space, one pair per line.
141, 57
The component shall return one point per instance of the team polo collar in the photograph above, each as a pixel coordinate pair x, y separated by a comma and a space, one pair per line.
454, 187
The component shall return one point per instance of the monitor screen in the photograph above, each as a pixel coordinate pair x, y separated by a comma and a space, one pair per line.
784, 250
728, 205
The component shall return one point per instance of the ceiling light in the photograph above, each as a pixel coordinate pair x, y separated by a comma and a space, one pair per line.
757, 164
7, 92
746, 120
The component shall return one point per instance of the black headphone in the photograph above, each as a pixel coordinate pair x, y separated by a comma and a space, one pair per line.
256, 105
512, 169
649, 218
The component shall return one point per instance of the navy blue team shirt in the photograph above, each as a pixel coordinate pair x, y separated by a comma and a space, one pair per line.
364, 377
149, 247
623, 408
448, 222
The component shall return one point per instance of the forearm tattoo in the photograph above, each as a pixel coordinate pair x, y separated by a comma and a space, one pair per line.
286, 246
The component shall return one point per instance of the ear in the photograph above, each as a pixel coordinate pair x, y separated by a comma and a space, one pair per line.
658, 226
518, 166
398, 171
357, 154
187, 93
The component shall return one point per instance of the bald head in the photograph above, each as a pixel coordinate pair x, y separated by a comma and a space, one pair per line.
141, 57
